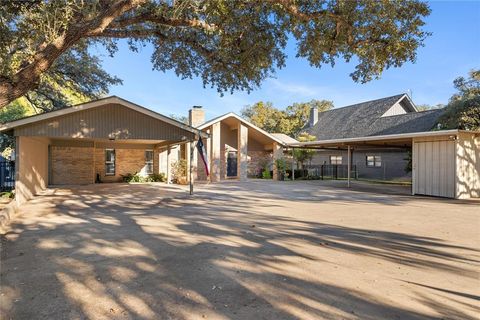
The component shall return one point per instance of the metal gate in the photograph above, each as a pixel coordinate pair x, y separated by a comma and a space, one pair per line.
7, 175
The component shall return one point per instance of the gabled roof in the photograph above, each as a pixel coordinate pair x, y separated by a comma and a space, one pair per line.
93, 104
236, 116
365, 119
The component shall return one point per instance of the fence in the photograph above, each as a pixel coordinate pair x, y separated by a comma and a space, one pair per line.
7, 175
326, 172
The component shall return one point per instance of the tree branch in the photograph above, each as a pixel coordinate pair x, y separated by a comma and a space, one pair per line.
148, 17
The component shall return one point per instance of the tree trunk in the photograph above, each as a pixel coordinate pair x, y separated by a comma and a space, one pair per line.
27, 78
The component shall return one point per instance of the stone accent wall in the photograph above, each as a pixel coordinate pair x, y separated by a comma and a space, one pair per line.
126, 161
201, 174
71, 165
256, 160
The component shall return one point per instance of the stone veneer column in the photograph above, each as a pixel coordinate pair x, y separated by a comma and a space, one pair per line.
242, 156
215, 153
277, 154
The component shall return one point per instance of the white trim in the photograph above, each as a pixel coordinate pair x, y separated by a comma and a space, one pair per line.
234, 115
114, 162
384, 137
148, 162
94, 104
409, 100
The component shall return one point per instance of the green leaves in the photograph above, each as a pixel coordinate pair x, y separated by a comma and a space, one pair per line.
230, 45
463, 110
289, 121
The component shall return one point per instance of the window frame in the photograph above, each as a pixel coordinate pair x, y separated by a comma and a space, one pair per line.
148, 162
110, 162
374, 162
336, 160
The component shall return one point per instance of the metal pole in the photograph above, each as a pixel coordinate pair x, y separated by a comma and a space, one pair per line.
293, 164
349, 165
192, 150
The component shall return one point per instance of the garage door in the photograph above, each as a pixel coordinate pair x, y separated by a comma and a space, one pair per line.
434, 168
71, 165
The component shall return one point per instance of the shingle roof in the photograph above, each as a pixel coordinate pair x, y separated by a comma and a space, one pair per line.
284, 138
365, 119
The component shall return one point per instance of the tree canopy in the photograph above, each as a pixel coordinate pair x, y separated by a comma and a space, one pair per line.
230, 45
463, 110
289, 121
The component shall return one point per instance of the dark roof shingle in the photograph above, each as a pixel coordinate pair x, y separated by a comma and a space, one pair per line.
365, 119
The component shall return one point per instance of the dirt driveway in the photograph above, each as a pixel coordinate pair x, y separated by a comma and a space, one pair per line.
254, 250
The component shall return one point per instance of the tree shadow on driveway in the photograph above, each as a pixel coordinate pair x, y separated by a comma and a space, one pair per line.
137, 252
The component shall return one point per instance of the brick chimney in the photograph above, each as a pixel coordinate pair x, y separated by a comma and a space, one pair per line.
196, 116
313, 116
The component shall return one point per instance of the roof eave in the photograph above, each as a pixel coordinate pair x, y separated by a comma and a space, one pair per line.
383, 137
236, 116
92, 104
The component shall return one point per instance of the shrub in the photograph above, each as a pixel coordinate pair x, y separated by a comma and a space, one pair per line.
132, 177
179, 170
155, 177
266, 173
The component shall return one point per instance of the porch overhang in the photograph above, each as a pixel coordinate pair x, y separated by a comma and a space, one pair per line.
392, 140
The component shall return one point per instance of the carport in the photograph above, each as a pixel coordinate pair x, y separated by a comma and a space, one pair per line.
98, 141
444, 163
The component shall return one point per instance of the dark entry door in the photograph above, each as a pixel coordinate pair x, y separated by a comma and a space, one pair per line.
232, 164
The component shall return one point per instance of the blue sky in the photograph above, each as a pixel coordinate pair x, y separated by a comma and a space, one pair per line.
452, 50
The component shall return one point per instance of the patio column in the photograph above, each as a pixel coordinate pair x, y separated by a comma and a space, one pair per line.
277, 154
242, 143
215, 154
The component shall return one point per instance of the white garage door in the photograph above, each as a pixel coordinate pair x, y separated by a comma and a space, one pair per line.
434, 168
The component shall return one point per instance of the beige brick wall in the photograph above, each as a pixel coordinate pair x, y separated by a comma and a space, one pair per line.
71, 165
126, 161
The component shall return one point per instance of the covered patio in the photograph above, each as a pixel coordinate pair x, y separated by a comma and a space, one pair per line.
99, 141
444, 163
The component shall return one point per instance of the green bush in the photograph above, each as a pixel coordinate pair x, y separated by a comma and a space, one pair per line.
266, 173
155, 177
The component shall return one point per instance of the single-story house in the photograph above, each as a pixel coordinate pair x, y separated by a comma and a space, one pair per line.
236, 148
379, 137
98, 141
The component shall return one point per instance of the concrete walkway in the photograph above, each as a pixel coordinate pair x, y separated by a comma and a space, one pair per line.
252, 250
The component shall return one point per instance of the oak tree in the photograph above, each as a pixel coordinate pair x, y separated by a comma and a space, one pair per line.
230, 45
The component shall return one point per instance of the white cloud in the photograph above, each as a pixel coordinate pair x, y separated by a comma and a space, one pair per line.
297, 88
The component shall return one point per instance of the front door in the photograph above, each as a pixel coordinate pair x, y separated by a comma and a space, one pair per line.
232, 164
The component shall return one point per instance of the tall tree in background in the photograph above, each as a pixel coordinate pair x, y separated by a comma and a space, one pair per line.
265, 116
228, 44
463, 110
303, 155
290, 121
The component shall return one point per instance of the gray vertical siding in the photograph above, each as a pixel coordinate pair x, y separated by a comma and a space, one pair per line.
105, 122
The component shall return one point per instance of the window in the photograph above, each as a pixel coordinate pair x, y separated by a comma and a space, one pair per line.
335, 159
148, 161
109, 162
374, 161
